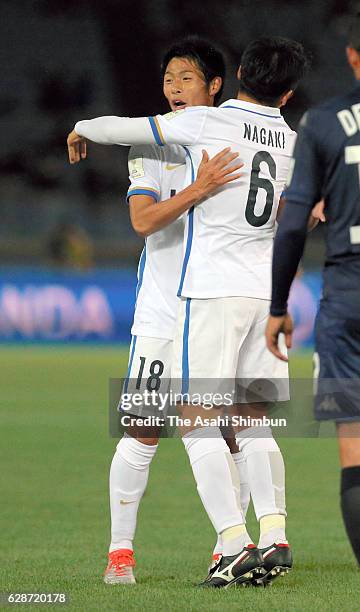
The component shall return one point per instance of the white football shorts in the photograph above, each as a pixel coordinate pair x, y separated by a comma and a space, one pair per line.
219, 347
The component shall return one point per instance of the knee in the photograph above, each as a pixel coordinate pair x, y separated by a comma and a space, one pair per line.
134, 453
148, 441
257, 439
145, 435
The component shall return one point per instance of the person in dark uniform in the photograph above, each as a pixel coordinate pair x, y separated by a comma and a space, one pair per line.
326, 165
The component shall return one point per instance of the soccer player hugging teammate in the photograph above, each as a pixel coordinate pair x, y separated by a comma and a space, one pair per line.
225, 286
326, 164
193, 73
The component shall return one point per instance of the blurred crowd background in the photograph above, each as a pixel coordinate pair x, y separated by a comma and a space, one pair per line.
67, 250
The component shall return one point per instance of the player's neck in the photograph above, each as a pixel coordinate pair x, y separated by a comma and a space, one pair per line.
245, 98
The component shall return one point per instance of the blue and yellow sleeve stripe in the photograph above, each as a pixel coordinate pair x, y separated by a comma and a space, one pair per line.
143, 191
156, 130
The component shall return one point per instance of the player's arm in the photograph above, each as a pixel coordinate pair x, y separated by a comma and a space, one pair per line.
148, 216
317, 213
174, 128
304, 191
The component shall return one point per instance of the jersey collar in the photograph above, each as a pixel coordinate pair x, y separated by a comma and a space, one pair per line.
252, 108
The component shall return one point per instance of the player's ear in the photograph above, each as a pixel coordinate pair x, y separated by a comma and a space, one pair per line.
353, 57
215, 86
238, 74
284, 99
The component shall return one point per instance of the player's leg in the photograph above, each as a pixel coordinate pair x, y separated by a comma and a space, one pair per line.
266, 476
240, 464
241, 477
217, 484
203, 357
338, 390
265, 378
130, 465
349, 447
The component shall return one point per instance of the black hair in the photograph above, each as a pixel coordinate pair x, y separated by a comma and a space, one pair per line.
202, 53
270, 67
354, 32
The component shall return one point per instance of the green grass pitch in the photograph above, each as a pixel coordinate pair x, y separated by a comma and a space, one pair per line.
55, 455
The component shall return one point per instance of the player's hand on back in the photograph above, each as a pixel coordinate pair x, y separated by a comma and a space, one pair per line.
217, 171
76, 147
274, 327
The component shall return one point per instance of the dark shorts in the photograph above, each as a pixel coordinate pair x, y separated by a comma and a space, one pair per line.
337, 363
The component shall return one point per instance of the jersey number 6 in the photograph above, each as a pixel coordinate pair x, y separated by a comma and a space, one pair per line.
257, 183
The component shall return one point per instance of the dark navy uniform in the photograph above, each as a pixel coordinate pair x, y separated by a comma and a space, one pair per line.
327, 165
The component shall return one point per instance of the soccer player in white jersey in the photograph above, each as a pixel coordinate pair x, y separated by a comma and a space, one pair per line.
225, 290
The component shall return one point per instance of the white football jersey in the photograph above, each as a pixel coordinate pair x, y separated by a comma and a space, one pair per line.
229, 237
160, 173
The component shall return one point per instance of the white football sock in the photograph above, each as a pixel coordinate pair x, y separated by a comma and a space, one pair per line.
242, 492
234, 539
129, 474
241, 467
210, 461
266, 472
272, 530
